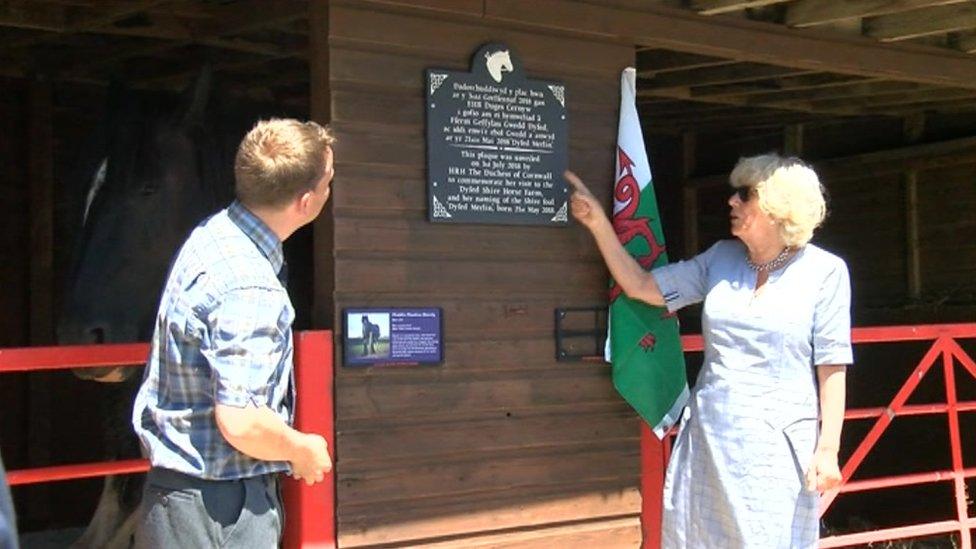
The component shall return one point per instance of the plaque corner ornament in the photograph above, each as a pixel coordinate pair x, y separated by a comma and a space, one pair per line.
561, 214
436, 79
440, 210
559, 91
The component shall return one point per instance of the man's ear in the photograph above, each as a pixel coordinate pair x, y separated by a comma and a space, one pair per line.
303, 202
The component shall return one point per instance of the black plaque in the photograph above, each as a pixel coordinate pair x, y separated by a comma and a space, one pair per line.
496, 144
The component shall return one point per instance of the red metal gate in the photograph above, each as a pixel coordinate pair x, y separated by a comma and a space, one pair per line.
654, 453
310, 510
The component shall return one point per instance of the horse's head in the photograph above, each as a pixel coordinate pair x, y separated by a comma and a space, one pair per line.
156, 179
497, 62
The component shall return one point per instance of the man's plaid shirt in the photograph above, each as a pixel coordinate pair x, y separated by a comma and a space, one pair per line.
223, 336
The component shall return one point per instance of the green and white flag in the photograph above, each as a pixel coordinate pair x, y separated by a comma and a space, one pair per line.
643, 344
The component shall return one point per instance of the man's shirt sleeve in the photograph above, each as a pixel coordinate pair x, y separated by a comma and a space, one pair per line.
245, 345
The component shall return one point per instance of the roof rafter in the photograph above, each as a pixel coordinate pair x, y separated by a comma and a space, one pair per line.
715, 7
806, 13
735, 38
924, 22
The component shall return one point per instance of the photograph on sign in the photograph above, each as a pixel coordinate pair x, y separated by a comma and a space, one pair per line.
392, 336
496, 144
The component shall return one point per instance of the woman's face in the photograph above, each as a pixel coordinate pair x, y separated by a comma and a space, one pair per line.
747, 220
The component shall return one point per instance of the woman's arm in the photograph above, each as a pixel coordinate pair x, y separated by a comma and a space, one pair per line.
626, 272
824, 474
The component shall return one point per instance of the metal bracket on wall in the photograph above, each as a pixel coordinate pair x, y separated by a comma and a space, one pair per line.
581, 333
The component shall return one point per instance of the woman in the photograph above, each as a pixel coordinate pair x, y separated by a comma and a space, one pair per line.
748, 460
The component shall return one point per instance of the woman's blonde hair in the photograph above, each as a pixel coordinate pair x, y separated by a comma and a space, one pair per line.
280, 159
788, 190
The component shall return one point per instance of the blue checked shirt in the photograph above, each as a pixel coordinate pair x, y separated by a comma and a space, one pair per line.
223, 336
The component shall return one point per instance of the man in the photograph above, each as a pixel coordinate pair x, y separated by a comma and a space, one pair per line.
8, 520
215, 406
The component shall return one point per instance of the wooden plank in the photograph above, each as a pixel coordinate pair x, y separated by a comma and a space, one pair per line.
41, 184
529, 508
433, 275
357, 68
465, 7
371, 400
404, 238
371, 448
414, 35
743, 40
715, 7
806, 13
411, 484
617, 532
923, 22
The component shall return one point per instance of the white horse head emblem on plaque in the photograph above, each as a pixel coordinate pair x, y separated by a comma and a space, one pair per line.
498, 62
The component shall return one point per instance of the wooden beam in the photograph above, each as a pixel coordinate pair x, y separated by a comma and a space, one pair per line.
76, 24
913, 157
924, 22
652, 61
743, 40
964, 41
807, 13
795, 107
781, 85
838, 90
879, 101
738, 72
33, 16
715, 7
739, 121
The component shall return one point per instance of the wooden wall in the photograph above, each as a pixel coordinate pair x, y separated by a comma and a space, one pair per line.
14, 251
501, 443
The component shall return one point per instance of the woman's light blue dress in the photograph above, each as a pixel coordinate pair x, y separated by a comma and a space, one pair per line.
736, 475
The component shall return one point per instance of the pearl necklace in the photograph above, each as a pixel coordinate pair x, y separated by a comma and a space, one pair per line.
773, 264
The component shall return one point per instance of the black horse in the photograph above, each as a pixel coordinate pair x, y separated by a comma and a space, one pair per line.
156, 167
371, 334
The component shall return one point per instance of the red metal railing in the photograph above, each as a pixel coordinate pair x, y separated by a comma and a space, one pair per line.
654, 453
310, 515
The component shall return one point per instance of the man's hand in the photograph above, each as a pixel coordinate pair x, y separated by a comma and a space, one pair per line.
823, 474
584, 206
313, 461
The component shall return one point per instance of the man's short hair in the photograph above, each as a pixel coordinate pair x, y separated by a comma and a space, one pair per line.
279, 159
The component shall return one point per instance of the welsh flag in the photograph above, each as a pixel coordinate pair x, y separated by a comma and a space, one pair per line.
642, 341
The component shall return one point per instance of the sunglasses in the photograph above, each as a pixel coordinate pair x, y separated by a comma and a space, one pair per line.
744, 193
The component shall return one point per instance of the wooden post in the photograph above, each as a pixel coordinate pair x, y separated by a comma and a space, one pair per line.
40, 264
320, 103
913, 128
793, 140
40, 179
690, 192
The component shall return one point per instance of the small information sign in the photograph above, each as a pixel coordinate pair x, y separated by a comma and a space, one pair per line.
392, 336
